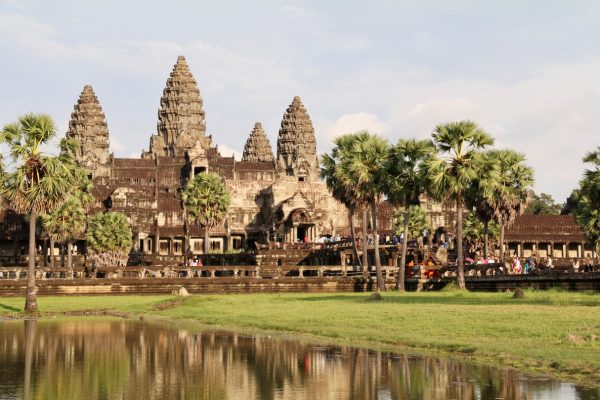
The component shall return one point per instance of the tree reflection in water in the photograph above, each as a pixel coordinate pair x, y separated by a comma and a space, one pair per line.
109, 359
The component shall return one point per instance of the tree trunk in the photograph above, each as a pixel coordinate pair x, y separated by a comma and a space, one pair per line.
501, 251
402, 266
62, 255
485, 237
30, 294
380, 280
460, 260
51, 252
206, 241
365, 255
355, 257
45, 252
70, 256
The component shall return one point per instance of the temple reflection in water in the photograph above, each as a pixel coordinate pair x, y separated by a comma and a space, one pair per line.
114, 359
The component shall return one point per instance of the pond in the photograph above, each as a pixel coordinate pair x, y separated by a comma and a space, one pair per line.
124, 359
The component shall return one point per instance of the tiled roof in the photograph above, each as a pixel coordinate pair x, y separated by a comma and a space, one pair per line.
545, 228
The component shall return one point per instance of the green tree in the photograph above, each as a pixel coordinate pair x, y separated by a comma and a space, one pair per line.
512, 186
417, 222
109, 239
70, 220
586, 200
39, 182
542, 204
206, 201
363, 163
454, 169
331, 171
475, 230
406, 182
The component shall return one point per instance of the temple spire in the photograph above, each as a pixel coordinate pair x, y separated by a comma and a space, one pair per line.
181, 115
88, 126
257, 146
296, 144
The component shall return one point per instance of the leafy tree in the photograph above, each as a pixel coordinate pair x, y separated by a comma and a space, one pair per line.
331, 171
542, 204
511, 189
69, 220
586, 200
454, 169
206, 200
406, 182
475, 231
417, 222
39, 182
109, 239
363, 163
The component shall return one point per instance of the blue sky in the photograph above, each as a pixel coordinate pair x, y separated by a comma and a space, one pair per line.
528, 72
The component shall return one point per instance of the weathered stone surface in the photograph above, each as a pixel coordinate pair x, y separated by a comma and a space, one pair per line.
296, 144
181, 113
88, 126
257, 146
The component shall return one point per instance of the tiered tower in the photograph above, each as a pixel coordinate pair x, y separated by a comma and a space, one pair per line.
181, 123
88, 126
257, 146
296, 144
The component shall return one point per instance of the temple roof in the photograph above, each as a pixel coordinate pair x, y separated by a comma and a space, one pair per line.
180, 106
88, 126
296, 135
257, 146
545, 228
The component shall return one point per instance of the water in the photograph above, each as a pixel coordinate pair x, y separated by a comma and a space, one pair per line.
120, 359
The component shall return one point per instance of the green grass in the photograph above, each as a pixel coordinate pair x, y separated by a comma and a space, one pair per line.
550, 332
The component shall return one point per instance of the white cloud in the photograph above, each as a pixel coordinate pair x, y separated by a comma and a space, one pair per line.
354, 122
227, 151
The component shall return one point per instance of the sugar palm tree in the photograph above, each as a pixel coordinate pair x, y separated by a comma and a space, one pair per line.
330, 171
586, 200
478, 195
513, 182
206, 200
406, 182
37, 183
454, 169
363, 163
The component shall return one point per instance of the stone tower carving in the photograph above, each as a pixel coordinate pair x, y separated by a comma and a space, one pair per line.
181, 116
296, 144
257, 146
88, 126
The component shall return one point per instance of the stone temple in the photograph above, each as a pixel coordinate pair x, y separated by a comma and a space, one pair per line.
274, 196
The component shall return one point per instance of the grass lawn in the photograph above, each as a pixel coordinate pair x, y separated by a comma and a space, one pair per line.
551, 332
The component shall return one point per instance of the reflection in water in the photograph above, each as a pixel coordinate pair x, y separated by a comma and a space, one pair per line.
107, 359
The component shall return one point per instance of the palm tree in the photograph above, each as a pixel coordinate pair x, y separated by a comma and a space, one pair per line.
330, 171
454, 169
406, 182
206, 200
363, 163
512, 185
109, 239
478, 194
586, 200
38, 183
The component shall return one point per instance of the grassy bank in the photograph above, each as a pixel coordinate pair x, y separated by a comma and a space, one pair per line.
547, 332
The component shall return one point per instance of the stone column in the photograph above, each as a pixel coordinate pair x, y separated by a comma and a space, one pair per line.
565, 253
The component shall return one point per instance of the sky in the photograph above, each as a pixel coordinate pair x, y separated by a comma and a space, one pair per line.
528, 72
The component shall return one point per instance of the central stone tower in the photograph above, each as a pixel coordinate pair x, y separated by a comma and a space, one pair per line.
181, 125
296, 144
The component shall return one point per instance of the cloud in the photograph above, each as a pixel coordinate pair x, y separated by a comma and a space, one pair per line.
227, 151
354, 122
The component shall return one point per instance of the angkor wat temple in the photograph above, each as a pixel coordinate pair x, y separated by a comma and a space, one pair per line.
277, 197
